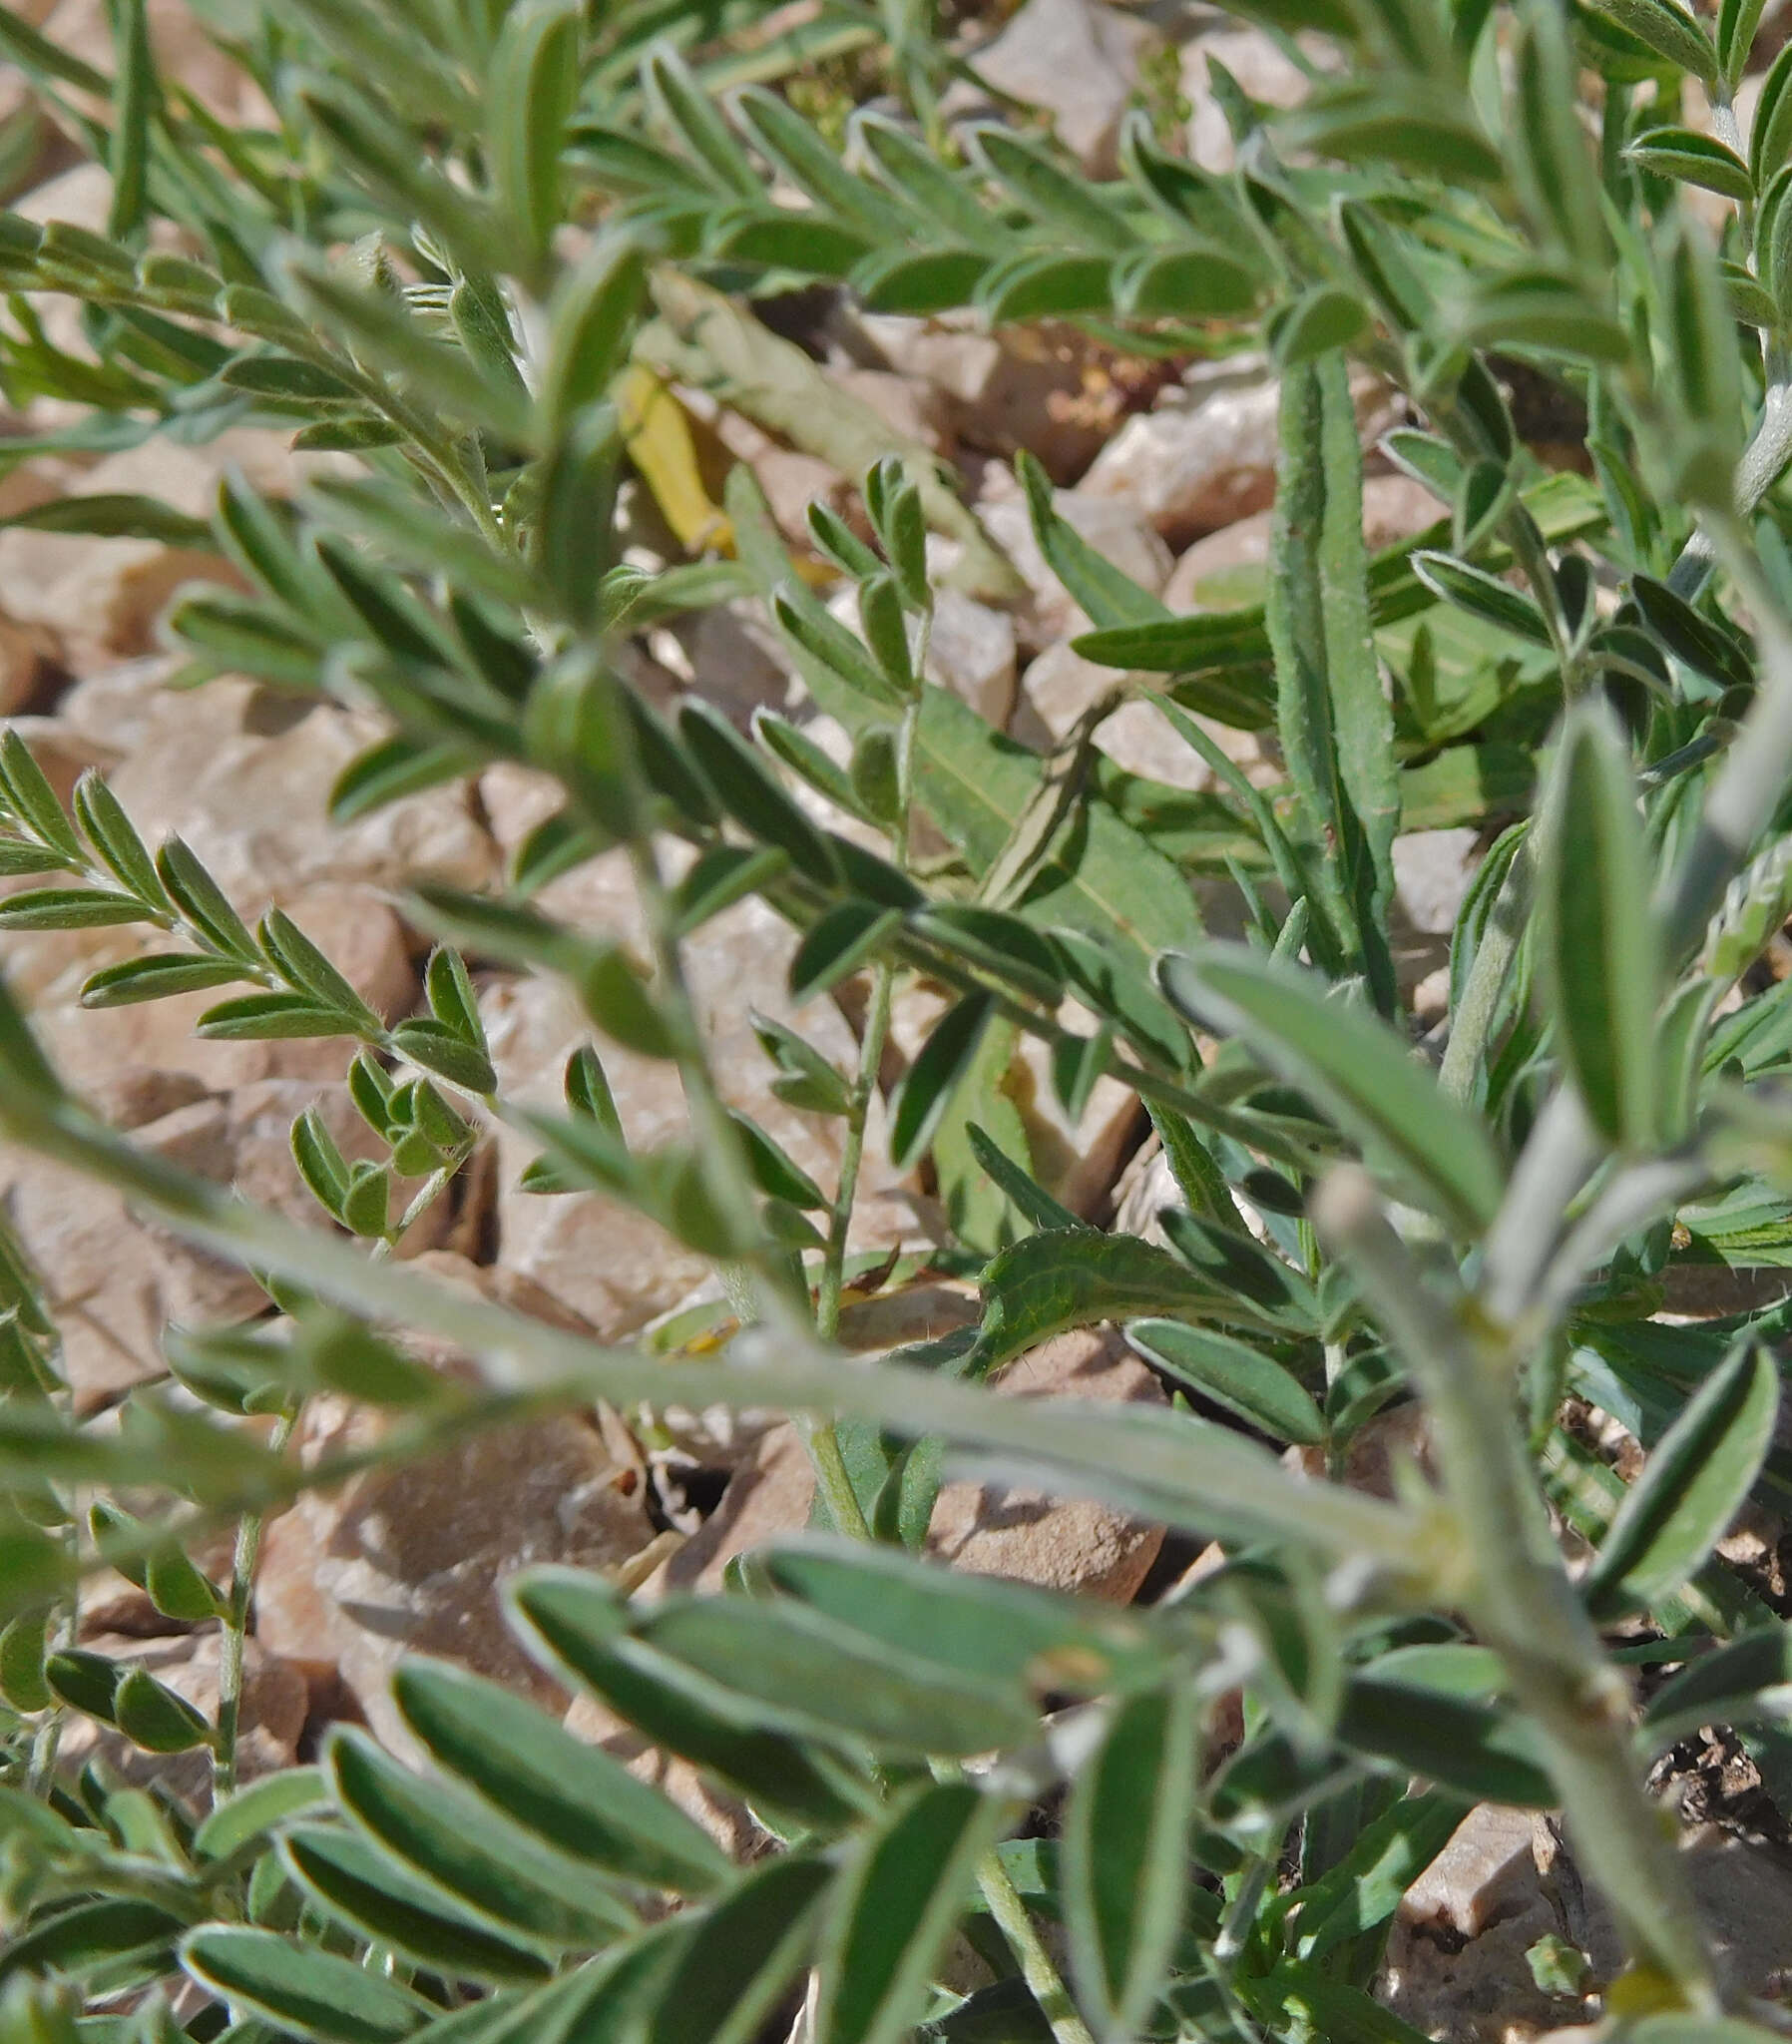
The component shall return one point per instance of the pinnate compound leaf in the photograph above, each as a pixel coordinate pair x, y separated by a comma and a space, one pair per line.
479, 1860
1692, 1487
1601, 951
297, 1987
1438, 1153
1126, 1853
574, 1795
894, 1910
580, 1626
361, 1888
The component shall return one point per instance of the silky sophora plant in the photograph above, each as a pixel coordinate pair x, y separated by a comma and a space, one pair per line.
473, 246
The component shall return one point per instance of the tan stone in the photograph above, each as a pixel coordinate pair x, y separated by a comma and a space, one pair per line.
1227, 567
1206, 456
1001, 391
357, 932
185, 54
1259, 65
116, 1281
607, 1263
244, 775
29, 664
408, 1558
1077, 59
988, 1529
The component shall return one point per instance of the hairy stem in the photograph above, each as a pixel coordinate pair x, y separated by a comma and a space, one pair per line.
233, 1629
1472, 1026
1518, 1597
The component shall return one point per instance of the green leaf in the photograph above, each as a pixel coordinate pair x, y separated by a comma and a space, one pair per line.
1703, 645
200, 899
574, 1795
1126, 1853
936, 280
529, 89
983, 1625
1737, 21
1354, 1065
1185, 284
592, 321
792, 142
361, 1888
269, 1018
298, 1987
1056, 197
1261, 1391
22, 1680
739, 1957
446, 1053
116, 516
1692, 1487
477, 1860
579, 1624
1470, 1747
684, 110
752, 794
252, 1811
1313, 324
433, 374
926, 1088
157, 978
1695, 159
1396, 121
894, 1908
1770, 139
621, 1006
794, 1670
1060, 1279
1040, 1207
1744, 1681
1335, 724
1110, 597
1483, 596
113, 835
151, 1716
1600, 951
1035, 284
808, 243
1666, 29
1367, 1885
68, 908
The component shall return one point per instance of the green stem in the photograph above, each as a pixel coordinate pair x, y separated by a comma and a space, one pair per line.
235, 1629
1472, 1026
1037, 1968
1518, 1597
